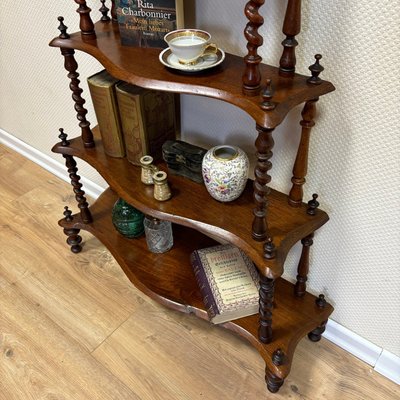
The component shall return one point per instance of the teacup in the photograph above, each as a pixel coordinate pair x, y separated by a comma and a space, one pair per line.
188, 45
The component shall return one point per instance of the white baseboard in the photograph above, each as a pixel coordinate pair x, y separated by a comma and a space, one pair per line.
383, 361
56, 168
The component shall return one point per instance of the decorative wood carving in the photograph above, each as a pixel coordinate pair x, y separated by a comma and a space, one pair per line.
291, 28
267, 287
71, 66
73, 239
264, 145
86, 24
273, 382
79, 193
252, 77
315, 335
301, 163
303, 267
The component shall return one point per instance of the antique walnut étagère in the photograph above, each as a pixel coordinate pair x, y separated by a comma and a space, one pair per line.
262, 222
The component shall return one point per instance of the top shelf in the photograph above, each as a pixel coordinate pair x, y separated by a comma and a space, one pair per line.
140, 66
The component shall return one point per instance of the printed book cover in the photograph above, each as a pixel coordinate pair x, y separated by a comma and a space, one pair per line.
145, 23
228, 282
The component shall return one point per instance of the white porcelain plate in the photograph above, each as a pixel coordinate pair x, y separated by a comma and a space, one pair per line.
210, 61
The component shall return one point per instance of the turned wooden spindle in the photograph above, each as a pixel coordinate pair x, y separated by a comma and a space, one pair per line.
291, 28
77, 187
71, 66
264, 145
63, 136
85, 23
113, 11
104, 12
252, 76
267, 288
304, 266
301, 163
267, 94
73, 238
313, 205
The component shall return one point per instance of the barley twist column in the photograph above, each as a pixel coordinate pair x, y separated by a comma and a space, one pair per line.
264, 145
252, 77
267, 287
71, 66
77, 187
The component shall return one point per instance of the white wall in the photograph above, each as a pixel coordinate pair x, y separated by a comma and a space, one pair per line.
354, 155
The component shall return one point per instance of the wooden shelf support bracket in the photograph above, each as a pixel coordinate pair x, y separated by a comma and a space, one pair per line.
304, 266
267, 288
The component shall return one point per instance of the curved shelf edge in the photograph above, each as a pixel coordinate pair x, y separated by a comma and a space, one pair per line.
140, 66
230, 222
176, 287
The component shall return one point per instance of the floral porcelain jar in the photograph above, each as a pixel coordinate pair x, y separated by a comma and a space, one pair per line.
225, 170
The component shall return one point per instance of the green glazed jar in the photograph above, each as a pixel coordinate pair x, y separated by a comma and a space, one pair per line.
128, 221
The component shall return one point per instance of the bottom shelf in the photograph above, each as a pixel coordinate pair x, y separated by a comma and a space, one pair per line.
168, 278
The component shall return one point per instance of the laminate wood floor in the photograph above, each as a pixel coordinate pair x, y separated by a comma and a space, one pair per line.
72, 327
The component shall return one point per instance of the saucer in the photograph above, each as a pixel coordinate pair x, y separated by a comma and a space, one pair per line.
205, 62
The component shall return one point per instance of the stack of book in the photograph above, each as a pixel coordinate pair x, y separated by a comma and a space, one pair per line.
133, 121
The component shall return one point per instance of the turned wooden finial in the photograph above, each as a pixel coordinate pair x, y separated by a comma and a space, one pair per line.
321, 302
267, 94
63, 29
63, 136
67, 214
104, 11
269, 249
278, 357
315, 69
312, 205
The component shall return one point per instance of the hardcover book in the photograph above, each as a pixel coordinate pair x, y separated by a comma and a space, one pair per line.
148, 119
102, 91
144, 23
228, 282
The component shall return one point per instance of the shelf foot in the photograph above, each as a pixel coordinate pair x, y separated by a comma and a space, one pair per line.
315, 335
274, 383
73, 238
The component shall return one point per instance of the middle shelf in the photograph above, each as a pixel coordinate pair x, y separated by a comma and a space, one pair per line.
192, 206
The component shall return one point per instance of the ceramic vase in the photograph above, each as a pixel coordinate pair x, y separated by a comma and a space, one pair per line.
225, 170
127, 220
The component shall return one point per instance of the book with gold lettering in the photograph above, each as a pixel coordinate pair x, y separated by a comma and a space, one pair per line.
148, 119
228, 282
102, 91
144, 23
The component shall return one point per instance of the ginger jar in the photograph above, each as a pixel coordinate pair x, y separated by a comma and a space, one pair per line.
225, 170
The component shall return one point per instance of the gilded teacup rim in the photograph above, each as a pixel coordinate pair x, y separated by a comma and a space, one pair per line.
187, 32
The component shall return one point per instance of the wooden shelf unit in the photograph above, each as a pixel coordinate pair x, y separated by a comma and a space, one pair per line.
262, 222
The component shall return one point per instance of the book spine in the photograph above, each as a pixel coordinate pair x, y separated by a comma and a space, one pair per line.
160, 120
205, 289
105, 107
133, 131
